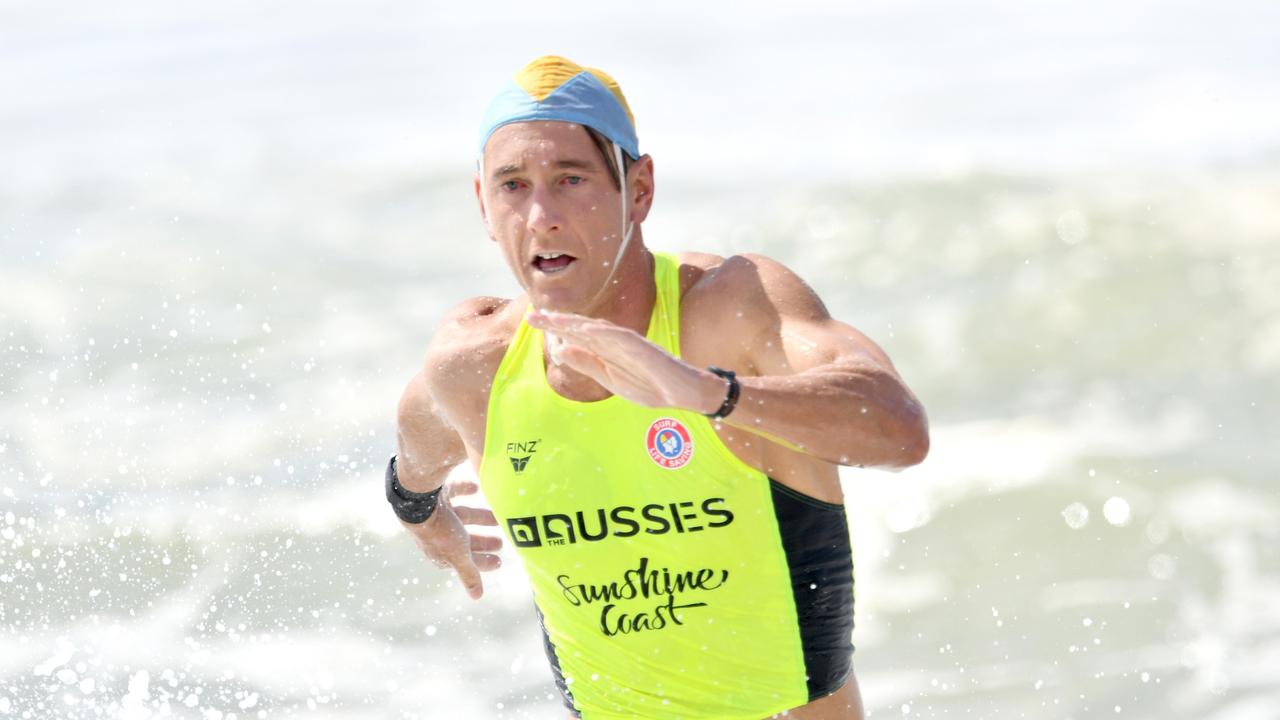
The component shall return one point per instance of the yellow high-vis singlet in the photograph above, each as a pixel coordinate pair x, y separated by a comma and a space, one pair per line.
672, 580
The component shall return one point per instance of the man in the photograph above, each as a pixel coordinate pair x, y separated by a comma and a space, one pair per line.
681, 524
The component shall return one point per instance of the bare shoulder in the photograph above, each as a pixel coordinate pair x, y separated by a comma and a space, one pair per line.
476, 320
471, 336
759, 280
462, 358
746, 290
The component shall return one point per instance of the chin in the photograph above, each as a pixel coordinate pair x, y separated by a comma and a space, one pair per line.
556, 301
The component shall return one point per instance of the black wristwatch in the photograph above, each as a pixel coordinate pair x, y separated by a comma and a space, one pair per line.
411, 507
731, 396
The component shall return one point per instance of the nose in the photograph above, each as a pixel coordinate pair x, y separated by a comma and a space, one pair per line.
544, 216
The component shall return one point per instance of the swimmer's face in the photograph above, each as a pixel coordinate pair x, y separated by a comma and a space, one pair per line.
550, 203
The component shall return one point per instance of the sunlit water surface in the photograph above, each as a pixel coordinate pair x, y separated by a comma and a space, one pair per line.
227, 234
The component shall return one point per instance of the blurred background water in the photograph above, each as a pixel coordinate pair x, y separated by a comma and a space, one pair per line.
228, 229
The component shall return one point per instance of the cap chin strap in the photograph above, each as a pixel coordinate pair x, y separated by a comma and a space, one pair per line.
627, 227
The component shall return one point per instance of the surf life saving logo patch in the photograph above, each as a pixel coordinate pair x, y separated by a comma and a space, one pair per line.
669, 443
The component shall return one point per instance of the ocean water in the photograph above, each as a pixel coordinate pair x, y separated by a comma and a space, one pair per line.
227, 231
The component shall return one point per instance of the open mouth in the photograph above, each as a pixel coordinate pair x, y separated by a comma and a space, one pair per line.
552, 262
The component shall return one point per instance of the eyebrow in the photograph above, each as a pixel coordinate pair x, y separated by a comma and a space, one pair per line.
570, 164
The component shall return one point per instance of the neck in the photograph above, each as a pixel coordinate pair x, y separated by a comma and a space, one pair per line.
628, 299
627, 302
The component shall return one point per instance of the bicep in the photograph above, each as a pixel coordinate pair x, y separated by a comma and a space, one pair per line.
808, 343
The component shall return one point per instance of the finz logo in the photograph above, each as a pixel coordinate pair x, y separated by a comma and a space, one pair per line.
669, 443
520, 452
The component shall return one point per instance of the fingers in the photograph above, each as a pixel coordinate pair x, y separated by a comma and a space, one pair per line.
612, 346
469, 574
585, 362
576, 327
471, 565
485, 543
446, 542
617, 376
486, 562
463, 488
475, 516
479, 557
550, 320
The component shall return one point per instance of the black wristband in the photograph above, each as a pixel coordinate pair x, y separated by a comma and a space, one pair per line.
731, 397
411, 507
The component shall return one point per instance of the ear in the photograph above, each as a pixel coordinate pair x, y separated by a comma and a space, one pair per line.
484, 214
640, 188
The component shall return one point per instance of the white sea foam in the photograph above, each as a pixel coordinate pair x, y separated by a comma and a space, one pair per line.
226, 245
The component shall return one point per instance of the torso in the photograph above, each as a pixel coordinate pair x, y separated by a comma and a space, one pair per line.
713, 331
774, 609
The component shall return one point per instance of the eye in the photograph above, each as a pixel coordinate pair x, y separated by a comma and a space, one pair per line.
573, 180
511, 185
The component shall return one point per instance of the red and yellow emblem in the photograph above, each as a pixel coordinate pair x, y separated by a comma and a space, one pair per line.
669, 443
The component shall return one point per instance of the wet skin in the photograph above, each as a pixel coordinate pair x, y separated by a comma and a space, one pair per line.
816, 392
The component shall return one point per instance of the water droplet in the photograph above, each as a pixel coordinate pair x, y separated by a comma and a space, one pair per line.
1072, 227
1076, 515
1116, 511
1161, 566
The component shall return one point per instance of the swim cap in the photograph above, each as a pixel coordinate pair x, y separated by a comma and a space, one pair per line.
554, 88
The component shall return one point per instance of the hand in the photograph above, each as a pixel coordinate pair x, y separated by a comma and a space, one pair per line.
627, 364
446, 541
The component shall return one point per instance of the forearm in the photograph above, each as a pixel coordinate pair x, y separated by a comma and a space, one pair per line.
428, 447
423, 463
851, 414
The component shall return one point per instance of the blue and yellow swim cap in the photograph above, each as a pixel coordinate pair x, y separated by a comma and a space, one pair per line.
554, 88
